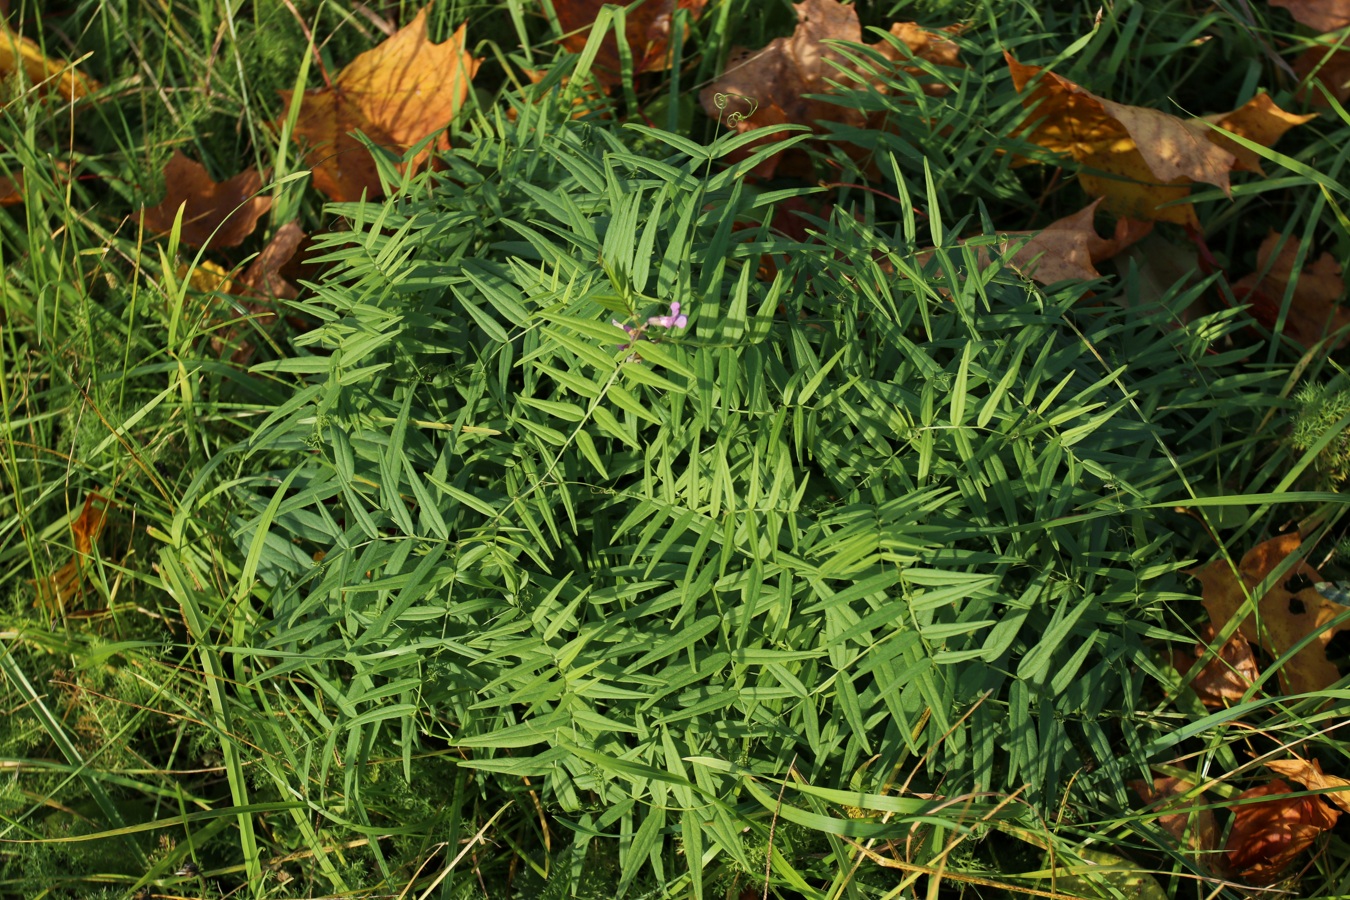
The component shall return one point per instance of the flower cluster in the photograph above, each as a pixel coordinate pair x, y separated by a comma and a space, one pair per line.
674, 320
636, 333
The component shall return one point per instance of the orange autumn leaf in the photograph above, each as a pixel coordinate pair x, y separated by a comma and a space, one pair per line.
396, 94
217, 214
1319, 15
1194, 827
66, 583
647, 29
1268, 835
1315, 309
1310, 775
1258, 120
1140, 159
1225, 679
768, 87
19, 54
1069, 248
1286, 617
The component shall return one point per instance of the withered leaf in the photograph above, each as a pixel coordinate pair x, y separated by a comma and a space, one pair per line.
1068, 249
1258, 120
64, 586
11, 190
768, 87
1225, 679
1194, 828
1328, 65
263, 276
215, 214
647, 29
1315, 309
1286, 617
19, 54
1319, 15
1267, 836
1141, 159
255, 289
396, 94
1309, 774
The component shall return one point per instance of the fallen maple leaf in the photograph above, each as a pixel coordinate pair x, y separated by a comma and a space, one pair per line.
1266, 836
1258, 120
1310, 775
208, 277
1068, 248
263, 276
768, 87
1328, 65
19, 54
647, 28
216, 214
1285, 618
65, 584
1225, 679
1319, 15
11, 190
1139, 159
260, 284
396, 94
1194, 827
1315, 309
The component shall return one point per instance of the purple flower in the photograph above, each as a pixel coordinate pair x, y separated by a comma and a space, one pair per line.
674, 320
634, 332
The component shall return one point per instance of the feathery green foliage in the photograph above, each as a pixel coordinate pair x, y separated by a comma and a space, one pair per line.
470, 590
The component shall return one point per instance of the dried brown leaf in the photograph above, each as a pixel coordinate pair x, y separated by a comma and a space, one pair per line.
215, 214
1315, 310
1319, 15
1193, 827
1309, 774
1267, 836
19, 54
11, 190
1141, 160
263, 276
647, 29
1225, 679
1329, 65
1069, 248
769, 87
61, 588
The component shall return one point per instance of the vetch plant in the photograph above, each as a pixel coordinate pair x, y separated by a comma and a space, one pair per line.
880, 531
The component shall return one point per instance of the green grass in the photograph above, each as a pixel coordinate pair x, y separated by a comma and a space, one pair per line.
866, 579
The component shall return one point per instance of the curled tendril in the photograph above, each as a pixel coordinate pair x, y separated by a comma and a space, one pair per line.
720, 100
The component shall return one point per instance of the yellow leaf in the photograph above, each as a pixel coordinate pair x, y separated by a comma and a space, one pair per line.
18, 53
1285, 618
